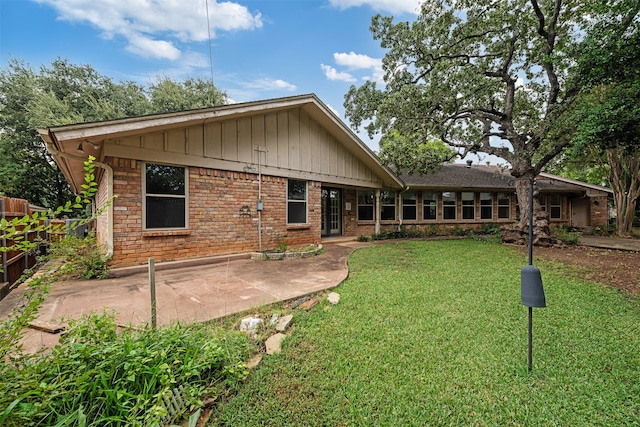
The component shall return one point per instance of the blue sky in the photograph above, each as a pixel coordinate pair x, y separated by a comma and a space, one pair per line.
261, 49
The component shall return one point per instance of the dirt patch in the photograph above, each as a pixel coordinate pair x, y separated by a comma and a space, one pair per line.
615, 268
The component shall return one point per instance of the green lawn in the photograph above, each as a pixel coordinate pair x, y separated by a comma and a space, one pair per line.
433, 333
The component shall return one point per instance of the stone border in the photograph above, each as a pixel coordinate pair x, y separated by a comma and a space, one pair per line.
277, 256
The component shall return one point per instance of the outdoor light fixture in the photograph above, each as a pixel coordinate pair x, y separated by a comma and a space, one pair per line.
80, 149
531, 289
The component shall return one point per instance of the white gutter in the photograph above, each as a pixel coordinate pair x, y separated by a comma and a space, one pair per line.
109, 171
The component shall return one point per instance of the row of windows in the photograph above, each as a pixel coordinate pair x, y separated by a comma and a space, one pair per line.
166, 197
166, 202
474, 205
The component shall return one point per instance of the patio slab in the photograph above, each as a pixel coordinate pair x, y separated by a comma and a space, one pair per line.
189, 294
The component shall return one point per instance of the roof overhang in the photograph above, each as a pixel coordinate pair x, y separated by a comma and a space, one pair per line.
64, 142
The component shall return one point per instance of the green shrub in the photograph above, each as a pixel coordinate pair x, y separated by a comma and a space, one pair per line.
99, 375
83, 257
363, 238
458, 231
489, 228
431, 230
568, 236
604, 230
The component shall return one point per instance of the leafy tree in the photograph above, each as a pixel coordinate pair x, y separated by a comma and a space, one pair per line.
481, 76
64, 93
605, 122
168, 95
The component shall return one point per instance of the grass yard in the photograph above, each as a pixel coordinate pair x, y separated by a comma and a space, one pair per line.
433, 333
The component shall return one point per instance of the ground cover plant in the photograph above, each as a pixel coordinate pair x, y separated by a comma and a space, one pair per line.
100, 375
433, 333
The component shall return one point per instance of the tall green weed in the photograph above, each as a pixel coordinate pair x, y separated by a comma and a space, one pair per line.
102, 376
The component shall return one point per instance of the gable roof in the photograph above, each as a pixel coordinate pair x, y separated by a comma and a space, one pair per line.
62, 141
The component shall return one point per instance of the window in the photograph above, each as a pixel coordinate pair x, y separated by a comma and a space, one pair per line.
449, 205
486, 206
165, 198
409, 205
504, 206
468, 206
555, 204
296, 202
429, 205
366, 201
387, 205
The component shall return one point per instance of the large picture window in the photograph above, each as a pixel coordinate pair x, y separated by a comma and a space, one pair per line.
387, 205
296, 202
165, 196
504, 206
409, 205
486, 206
366, 203
448, 205
429, 205
468, 206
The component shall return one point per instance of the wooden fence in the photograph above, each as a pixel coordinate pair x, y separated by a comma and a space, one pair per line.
14, 262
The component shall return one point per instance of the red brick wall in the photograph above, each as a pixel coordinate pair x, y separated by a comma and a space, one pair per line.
599, 213
218, 224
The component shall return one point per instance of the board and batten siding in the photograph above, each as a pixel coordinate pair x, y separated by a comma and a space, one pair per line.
296, 146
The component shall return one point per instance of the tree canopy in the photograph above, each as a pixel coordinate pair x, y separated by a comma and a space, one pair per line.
65, 93
484, 77
604, 123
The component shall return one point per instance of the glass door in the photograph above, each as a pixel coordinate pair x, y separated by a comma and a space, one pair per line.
331, 212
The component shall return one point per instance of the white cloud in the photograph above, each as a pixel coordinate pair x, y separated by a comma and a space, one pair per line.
393, 6
333, 74
266, 84
149, 48
354, 61
152, 27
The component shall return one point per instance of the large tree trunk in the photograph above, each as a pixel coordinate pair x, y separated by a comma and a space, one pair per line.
624, 177
518, 233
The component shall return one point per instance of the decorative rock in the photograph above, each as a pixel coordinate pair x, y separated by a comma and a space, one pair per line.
283, 323
254, 361
274, 342
308, 305
249, 325
333, 298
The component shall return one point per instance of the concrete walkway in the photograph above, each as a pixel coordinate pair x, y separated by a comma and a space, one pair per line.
189, 294
610, 243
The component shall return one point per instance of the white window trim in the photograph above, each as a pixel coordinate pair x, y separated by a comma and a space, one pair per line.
305, 201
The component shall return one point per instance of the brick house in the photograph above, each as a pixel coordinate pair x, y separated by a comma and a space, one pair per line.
248, 177
470, 195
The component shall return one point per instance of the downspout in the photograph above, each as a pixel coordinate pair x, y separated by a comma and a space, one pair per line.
109, 172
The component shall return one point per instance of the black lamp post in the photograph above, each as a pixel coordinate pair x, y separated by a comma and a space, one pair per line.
531, 289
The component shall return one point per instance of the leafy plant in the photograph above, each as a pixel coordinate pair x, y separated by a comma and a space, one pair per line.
283, 244
83, 258
363, 238
13, 327
99, 375
567, 236
458, 231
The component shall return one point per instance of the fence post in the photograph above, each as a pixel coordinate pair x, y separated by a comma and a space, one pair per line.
5, 273
25, 211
